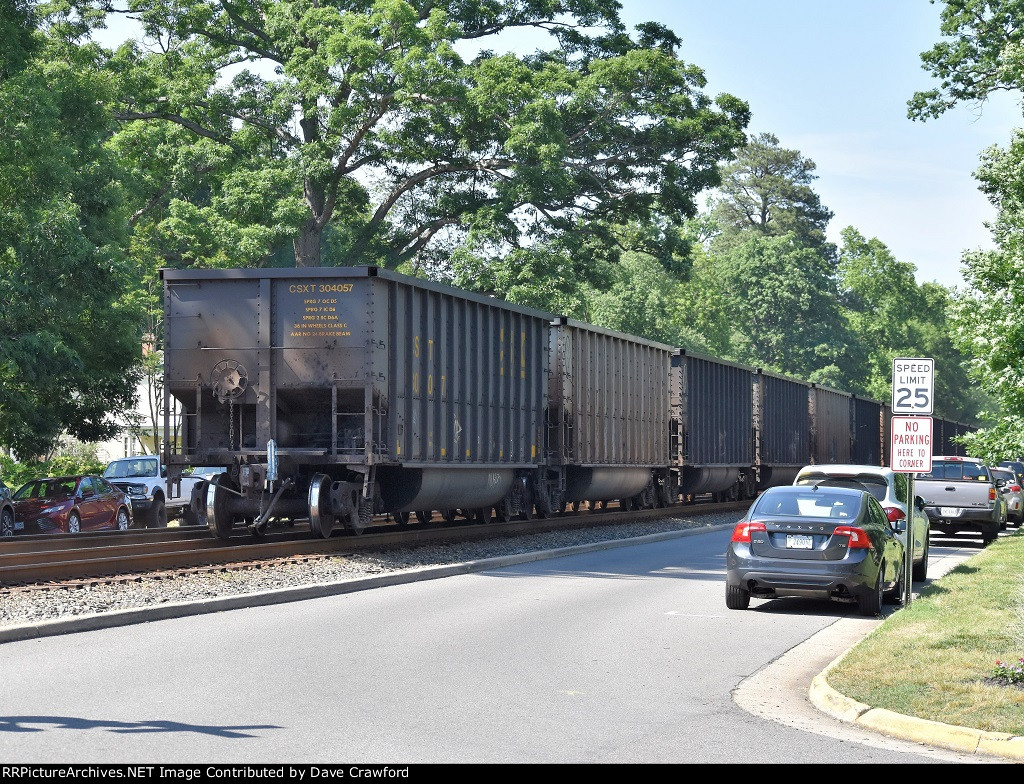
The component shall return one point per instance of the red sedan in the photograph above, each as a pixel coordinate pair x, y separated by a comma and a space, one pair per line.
70, 504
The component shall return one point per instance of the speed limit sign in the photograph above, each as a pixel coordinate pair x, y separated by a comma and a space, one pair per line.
913, 385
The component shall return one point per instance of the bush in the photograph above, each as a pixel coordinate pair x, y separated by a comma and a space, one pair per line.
80, 460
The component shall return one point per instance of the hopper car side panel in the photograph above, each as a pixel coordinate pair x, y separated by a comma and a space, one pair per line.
783, 428
609, 415
831, 433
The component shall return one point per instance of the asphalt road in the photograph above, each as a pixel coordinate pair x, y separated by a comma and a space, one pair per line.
624, 655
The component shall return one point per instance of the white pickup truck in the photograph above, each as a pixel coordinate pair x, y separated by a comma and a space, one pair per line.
153, 501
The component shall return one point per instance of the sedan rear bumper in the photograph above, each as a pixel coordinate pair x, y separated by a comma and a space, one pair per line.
838, 581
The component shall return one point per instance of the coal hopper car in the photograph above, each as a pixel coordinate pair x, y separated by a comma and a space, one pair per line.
609, 419
336, 393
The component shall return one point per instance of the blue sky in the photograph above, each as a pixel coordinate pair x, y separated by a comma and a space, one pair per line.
831, 78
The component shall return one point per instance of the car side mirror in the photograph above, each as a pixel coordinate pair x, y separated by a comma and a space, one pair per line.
900, 526
919, 503
86, 494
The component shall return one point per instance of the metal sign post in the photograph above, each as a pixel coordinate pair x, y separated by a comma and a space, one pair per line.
913, 392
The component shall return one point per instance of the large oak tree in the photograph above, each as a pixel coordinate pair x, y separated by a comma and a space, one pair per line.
383, 129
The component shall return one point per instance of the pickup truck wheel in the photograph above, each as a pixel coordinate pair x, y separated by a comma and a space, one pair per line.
990, 534
158, 514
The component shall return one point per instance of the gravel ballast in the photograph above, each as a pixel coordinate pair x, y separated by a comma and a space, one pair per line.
19, 607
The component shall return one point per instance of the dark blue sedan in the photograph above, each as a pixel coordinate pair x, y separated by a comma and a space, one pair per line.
816, 542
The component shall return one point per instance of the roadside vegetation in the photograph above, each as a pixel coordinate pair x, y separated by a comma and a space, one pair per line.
938, 658
409, 136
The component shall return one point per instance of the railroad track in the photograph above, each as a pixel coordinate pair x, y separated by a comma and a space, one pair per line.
46, 561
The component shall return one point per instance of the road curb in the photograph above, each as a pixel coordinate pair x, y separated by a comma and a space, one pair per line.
896, 725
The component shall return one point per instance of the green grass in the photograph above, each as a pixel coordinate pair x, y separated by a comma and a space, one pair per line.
931, 659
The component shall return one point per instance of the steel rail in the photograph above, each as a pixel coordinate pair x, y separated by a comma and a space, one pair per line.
44, 560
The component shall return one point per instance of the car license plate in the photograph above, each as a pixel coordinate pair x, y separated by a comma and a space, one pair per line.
949, 511
799, 542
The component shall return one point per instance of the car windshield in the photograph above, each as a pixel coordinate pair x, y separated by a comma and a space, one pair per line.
125, 469
821, 503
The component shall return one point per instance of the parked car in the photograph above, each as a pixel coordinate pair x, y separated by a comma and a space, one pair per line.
890, 488
960, 495
817, 542
8, 524
1010, 486
70, 504
1017, 466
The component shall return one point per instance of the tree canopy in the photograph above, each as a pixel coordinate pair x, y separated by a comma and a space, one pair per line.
384, 129
768, 189
69, 332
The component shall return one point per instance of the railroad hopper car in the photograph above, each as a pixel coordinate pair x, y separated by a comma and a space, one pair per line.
335, 393
782, 428
714, 407
609, 419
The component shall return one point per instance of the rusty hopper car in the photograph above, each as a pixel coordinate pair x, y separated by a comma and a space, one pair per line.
609, 417
335, 393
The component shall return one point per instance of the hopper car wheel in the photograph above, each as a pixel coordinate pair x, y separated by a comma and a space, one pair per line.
424, 515
448, 515
402, 518
625, 504
482, 515
218, 516
321, 520
503, 511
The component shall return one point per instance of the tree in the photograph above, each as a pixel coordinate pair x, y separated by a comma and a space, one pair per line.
377, 138
68, 323
783, 303
986, 315
892, 316
768, 189
983, 56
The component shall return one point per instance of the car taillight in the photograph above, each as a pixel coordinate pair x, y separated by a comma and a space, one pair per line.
1014, 488
991, 494
894, 514
741, 533
858, 536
